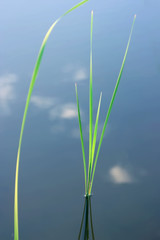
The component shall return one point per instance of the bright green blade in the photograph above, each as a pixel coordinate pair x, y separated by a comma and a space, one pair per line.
82, 142
90, 103
34, 76
95, 131
111, 102
74, 7
95, 138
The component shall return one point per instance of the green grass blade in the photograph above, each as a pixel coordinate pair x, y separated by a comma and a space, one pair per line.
74, 7
112, 100
90, 103
94, 138
95, 131
34, 76
82, 142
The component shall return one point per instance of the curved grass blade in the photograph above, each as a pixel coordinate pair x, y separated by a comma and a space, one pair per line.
82, 142
90, 105
34, 76
111, 102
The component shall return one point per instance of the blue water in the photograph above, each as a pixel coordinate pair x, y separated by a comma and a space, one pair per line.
126, 193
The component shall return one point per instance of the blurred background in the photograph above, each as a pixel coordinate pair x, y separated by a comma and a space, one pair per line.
126, 192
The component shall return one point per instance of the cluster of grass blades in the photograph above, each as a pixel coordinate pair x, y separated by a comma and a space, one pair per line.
33, 79
93, 136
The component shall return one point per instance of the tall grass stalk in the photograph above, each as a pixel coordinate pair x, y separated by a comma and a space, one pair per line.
92, 138
33, 79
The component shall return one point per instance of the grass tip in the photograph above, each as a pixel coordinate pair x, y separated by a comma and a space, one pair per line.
92, 12
135, 15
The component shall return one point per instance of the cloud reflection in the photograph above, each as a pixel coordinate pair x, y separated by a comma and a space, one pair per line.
7, 92
120, 175
64, 111
75, 73
42, 102
80, 74
57, 111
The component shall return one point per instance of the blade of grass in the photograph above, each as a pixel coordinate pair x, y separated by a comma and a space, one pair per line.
34, 76
74, 7
82, 142
95, 131
90, 104
95, 137
111, 102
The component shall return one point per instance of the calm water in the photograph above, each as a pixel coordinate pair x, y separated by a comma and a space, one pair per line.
126, 191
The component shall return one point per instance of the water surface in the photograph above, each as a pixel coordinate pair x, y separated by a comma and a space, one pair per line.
126, 193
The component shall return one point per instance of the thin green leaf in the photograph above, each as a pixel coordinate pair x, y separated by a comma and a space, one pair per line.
95, 137
90, 103
95, 131
34, 76
111, 102
82, 142
74, 7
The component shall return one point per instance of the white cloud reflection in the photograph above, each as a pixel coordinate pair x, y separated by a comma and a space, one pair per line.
75, 73
57, 111
42, 102
7, 92
80, 74
64, 111
120, 175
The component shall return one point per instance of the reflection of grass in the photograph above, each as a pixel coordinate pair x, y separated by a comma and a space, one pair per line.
92, 138
34, 76
86, 222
